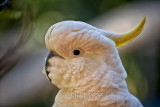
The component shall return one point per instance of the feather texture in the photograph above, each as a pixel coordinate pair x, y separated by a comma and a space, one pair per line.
93, 78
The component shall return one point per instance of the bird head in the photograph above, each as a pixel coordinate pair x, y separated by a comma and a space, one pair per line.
81, 54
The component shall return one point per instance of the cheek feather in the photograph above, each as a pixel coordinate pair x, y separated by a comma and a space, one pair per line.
65, 73
76, 66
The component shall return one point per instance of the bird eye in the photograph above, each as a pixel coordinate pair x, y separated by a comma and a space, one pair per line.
76, 52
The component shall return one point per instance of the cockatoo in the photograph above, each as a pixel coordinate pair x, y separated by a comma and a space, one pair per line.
84, 63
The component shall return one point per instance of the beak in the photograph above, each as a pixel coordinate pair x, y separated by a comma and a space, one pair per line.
50, 55
48, 64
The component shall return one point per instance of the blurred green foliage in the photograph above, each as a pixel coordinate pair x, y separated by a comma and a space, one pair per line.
45, 13
136, 78
55, 10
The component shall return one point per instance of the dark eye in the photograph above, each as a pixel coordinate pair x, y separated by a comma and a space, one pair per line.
76, 52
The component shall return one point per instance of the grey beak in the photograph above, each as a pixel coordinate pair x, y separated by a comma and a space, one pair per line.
51, 54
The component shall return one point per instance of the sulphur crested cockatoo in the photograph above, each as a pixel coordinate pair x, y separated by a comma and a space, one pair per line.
84, 63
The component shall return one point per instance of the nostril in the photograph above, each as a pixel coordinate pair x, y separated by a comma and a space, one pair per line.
48, 57
51, 54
